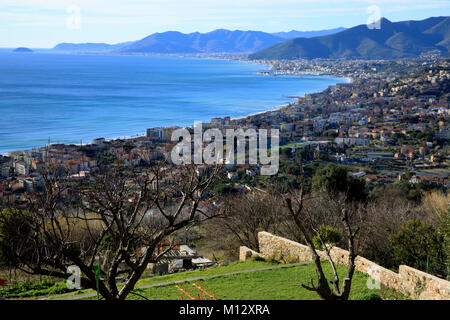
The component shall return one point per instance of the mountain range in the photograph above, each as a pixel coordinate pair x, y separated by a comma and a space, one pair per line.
89, 47
392, 40
211, 42
307, 34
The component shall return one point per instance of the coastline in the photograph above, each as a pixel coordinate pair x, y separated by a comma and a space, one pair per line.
270, 109
279, 107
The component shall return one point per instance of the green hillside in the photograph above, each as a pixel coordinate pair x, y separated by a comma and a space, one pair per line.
391, 40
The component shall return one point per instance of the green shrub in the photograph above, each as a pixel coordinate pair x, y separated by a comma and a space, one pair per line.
387, 293
335, 179
290, 259
329, 235
366, 296
15, 231
416, 243
28, 289
259, 258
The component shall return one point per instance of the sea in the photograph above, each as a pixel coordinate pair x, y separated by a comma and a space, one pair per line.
75, 98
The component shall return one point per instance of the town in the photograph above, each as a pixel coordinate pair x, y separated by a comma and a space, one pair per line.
390, 122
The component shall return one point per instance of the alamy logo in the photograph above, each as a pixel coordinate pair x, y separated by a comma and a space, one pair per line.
236, 142
373, 282
73, 22
374, 21
74, 280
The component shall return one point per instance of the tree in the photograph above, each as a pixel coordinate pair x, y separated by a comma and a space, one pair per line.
444, 230
327, 235
295, 203
118, 218
223, 189
246, 215
387, 212
419, 245
286, 153
331, 134
15, 229
335, 179
305, 153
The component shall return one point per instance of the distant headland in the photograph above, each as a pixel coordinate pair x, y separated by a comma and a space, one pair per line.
22, 49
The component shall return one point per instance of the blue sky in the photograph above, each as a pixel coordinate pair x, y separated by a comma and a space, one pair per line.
44, 23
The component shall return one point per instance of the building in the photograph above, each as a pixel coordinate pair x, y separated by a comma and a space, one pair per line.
380, 155
352, 141
21, 168
99, 143
232, 175
444, 134
157, 134
180, 258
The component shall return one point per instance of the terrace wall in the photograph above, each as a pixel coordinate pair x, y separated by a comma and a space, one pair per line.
409, 281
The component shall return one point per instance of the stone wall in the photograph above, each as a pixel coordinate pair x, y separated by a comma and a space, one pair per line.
424, 285
247, 253
281, 248
409, 281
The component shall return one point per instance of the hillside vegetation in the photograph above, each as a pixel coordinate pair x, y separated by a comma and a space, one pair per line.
392, 40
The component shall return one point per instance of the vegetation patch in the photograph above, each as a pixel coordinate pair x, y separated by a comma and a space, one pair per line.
28, 289
276, 284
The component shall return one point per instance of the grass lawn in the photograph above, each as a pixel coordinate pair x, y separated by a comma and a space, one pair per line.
281, 284
216, 270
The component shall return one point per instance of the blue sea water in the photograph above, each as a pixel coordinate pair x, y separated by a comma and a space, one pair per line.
71, 97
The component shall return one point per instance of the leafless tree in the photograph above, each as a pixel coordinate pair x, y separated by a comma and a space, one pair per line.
385, 216
118, 217
306, 221
247, 214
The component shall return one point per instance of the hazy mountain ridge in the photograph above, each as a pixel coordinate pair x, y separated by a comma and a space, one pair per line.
220, 40
89, 47
210, 42
307, 34
392, 40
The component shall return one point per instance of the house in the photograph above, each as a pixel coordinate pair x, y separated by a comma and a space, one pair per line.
99, 143
180, 258
359, 174
386, 140
406, 151
232, 175
423, 150
433, 179
31, 183
435, 158
37, 165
